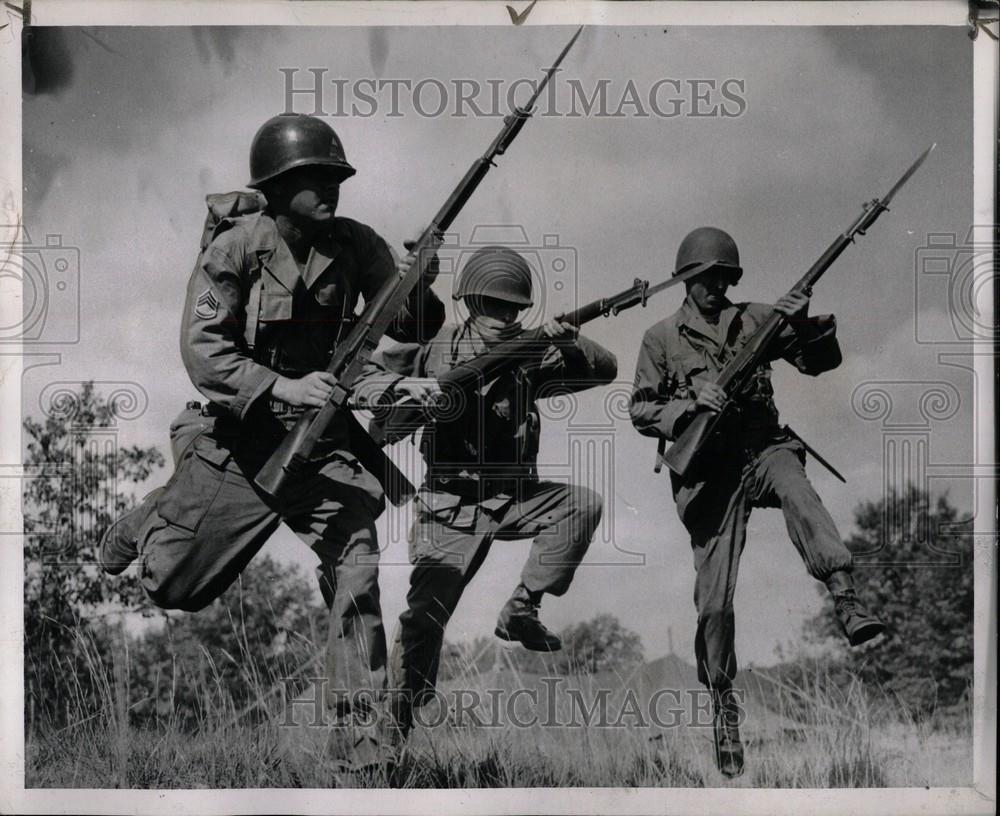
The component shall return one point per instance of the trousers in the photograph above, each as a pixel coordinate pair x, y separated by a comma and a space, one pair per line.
210, 520
774, 478
449, 541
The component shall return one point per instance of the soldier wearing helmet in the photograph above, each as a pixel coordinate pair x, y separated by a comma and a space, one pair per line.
482, 483
271, 294
752, 462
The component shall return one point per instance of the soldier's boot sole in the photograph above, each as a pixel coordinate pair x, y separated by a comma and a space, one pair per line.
728, 752
865, 631
730, 762
858, 624
534, 644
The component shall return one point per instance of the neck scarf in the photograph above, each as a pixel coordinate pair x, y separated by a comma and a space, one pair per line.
492, 331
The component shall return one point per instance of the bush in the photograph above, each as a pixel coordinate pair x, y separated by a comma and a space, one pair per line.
925, 597
235, 655
76, 491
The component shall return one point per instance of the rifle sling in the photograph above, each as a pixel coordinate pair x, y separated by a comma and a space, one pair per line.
398, 488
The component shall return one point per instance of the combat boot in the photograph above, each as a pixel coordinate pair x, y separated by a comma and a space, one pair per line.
726, 725
119, 545
518, 621
396, 723
858, 623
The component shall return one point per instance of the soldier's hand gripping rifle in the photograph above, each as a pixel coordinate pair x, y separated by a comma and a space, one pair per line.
734, 377
397, 421
356, 350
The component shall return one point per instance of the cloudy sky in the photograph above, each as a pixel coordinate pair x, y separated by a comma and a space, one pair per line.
121, 147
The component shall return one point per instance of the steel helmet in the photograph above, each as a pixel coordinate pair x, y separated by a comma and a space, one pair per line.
708, 247
295, 140
496, 272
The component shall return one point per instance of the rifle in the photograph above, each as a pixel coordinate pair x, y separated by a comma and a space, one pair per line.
353, 354
740, 368
397, 421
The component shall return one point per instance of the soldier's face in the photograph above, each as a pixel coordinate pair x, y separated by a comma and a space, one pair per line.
312, 194
498, 309
708, 290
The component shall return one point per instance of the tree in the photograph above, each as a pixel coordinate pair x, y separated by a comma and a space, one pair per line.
925, 598
600, 644
76, 475
234, 654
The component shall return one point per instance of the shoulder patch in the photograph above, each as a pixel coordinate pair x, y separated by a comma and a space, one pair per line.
207, 305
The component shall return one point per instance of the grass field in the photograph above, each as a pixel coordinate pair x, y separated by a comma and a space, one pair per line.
844, 738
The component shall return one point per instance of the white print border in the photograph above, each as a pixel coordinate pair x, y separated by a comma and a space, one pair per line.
14, 798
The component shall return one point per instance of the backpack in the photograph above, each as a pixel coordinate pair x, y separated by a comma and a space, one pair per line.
229, 205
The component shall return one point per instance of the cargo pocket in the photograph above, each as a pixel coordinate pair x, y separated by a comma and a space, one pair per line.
447, 509
439, 517
275, 305
439, 507
185, 429
194, 486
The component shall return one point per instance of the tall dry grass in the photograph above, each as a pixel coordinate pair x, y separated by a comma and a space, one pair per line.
815, 736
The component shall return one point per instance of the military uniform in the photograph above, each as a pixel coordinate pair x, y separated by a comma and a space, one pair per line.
482, 485
751, 462
251, 315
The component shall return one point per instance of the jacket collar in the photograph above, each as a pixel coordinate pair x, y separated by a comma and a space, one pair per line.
691, 319
277, 259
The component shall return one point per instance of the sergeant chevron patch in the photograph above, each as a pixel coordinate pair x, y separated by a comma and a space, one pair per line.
207, 305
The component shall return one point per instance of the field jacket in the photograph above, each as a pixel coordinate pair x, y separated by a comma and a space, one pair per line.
491, 443
252, 315
682, 352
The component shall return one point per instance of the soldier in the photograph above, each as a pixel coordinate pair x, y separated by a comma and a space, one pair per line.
753, 462
482, 482
267, 301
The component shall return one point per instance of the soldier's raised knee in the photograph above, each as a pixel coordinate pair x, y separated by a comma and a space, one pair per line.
168, 572
588, 504
172, 592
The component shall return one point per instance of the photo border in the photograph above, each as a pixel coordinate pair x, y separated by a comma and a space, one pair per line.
971, 800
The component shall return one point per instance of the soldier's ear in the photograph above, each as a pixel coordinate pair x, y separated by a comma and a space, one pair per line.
273, 191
